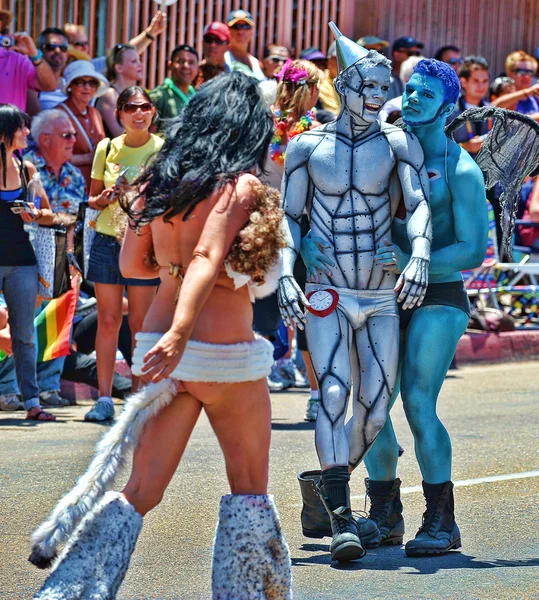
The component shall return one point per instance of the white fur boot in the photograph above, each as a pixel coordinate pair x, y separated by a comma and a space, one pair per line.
251, 560
95, 559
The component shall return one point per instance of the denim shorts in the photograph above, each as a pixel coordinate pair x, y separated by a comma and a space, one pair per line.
104, 264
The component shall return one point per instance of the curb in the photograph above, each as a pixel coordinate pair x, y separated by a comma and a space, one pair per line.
489, 347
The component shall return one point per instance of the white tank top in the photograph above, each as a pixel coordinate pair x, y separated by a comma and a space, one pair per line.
255, 65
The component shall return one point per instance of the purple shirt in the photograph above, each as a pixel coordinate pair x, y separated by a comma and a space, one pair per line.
17, 75
529, 106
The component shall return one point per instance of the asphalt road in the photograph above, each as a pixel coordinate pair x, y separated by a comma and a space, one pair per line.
491, 412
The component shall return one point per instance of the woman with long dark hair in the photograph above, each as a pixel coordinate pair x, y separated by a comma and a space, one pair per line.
123, 157
213, 233
18, 266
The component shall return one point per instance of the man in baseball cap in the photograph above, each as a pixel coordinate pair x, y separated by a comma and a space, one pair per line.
373, 42
403, 47
238, 58
215, 43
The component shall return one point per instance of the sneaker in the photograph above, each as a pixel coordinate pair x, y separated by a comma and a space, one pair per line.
103, 410
277, 381
312, 410
10, 402
274, 386
289, 373
52, 399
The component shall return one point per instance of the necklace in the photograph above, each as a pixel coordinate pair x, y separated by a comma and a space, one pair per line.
277, 147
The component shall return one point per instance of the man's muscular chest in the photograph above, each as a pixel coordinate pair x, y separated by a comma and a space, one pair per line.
339, 166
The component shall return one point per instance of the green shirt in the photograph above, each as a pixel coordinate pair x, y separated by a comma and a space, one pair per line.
169, 101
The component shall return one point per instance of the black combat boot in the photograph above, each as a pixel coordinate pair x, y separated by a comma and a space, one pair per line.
386, 510
315, 519
335, 495
439, 533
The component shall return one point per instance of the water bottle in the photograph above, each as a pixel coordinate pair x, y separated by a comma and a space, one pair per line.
35, 190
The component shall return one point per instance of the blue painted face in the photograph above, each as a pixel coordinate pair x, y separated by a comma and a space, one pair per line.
423, 100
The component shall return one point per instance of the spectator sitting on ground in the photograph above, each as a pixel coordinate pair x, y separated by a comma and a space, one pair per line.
241, 23
395, 104
274, 59
329, 98
124, 69
172, 96
80, 46
402, 48
474, 80
215, 43
82, 84
21, 67
54, 44
451, 55
373, 42
522, 68
55, 135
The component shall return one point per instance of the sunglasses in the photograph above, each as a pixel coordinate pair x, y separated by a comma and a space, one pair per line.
51, 47
130, 108
92, 83
67, 135
529, 72
211, 39
238, 26
81, 44
455, 61
410, 52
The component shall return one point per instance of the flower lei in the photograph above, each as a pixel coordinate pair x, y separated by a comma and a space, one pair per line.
277, 148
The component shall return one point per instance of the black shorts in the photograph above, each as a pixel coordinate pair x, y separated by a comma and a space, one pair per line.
451, 293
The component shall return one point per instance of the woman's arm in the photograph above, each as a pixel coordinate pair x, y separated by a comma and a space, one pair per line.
223, 224
100, 197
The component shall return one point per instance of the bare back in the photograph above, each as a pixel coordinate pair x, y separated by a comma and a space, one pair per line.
226, 315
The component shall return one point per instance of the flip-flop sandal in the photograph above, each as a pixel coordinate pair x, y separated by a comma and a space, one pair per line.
41, 416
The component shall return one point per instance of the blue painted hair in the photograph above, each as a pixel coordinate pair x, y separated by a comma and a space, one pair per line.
444, 73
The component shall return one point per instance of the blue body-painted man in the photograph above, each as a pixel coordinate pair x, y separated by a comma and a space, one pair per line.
430, 332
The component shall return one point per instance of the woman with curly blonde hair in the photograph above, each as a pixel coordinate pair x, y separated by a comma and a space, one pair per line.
202, 221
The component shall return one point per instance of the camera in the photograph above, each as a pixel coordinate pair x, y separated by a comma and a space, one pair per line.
7, 41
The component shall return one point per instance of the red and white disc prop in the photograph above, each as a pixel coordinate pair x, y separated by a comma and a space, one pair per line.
323, 302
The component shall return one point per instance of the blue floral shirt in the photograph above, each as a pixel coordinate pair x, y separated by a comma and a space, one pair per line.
64, 193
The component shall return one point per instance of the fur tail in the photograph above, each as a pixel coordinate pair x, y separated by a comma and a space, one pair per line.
111, 454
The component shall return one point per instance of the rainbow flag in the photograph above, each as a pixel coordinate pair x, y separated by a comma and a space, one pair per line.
52, 325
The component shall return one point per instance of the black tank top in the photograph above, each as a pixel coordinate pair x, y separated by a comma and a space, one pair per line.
15, 246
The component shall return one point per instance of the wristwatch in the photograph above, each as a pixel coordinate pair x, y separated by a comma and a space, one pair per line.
37, 58
149, 36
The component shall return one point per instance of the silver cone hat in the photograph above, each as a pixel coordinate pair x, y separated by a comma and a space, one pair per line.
348, 52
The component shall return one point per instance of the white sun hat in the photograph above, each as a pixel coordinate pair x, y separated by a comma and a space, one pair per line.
84, 68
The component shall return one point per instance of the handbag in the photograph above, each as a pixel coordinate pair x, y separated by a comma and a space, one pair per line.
50, 247
84, 235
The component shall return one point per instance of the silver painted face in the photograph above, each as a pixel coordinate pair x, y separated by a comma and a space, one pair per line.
365, 91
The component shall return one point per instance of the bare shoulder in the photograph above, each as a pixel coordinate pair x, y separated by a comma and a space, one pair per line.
31, 168
461, 163
241, 194
404, 143
301, 147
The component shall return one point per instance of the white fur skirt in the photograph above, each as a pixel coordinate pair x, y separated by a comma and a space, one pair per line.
219, 363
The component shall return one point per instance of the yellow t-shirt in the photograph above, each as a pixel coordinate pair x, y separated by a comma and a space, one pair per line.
120, 159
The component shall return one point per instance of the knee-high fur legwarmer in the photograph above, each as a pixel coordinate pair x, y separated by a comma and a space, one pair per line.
111, 453
251, 560
95, 560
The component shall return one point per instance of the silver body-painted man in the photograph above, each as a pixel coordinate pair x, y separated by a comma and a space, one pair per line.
351, 176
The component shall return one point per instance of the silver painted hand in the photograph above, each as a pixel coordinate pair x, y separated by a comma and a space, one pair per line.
413, 282
289, 296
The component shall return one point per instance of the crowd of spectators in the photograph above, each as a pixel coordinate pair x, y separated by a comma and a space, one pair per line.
89, 125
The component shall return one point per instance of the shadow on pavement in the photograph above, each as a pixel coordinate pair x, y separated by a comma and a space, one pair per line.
427, 565
287, 426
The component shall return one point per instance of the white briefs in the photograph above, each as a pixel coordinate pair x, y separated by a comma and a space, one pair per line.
219, 363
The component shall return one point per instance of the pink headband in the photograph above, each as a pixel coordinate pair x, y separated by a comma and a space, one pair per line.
292, 74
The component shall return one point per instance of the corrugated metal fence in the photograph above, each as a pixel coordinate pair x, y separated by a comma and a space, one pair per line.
490, 28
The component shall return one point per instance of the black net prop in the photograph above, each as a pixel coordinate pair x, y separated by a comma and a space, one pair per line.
509, 154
